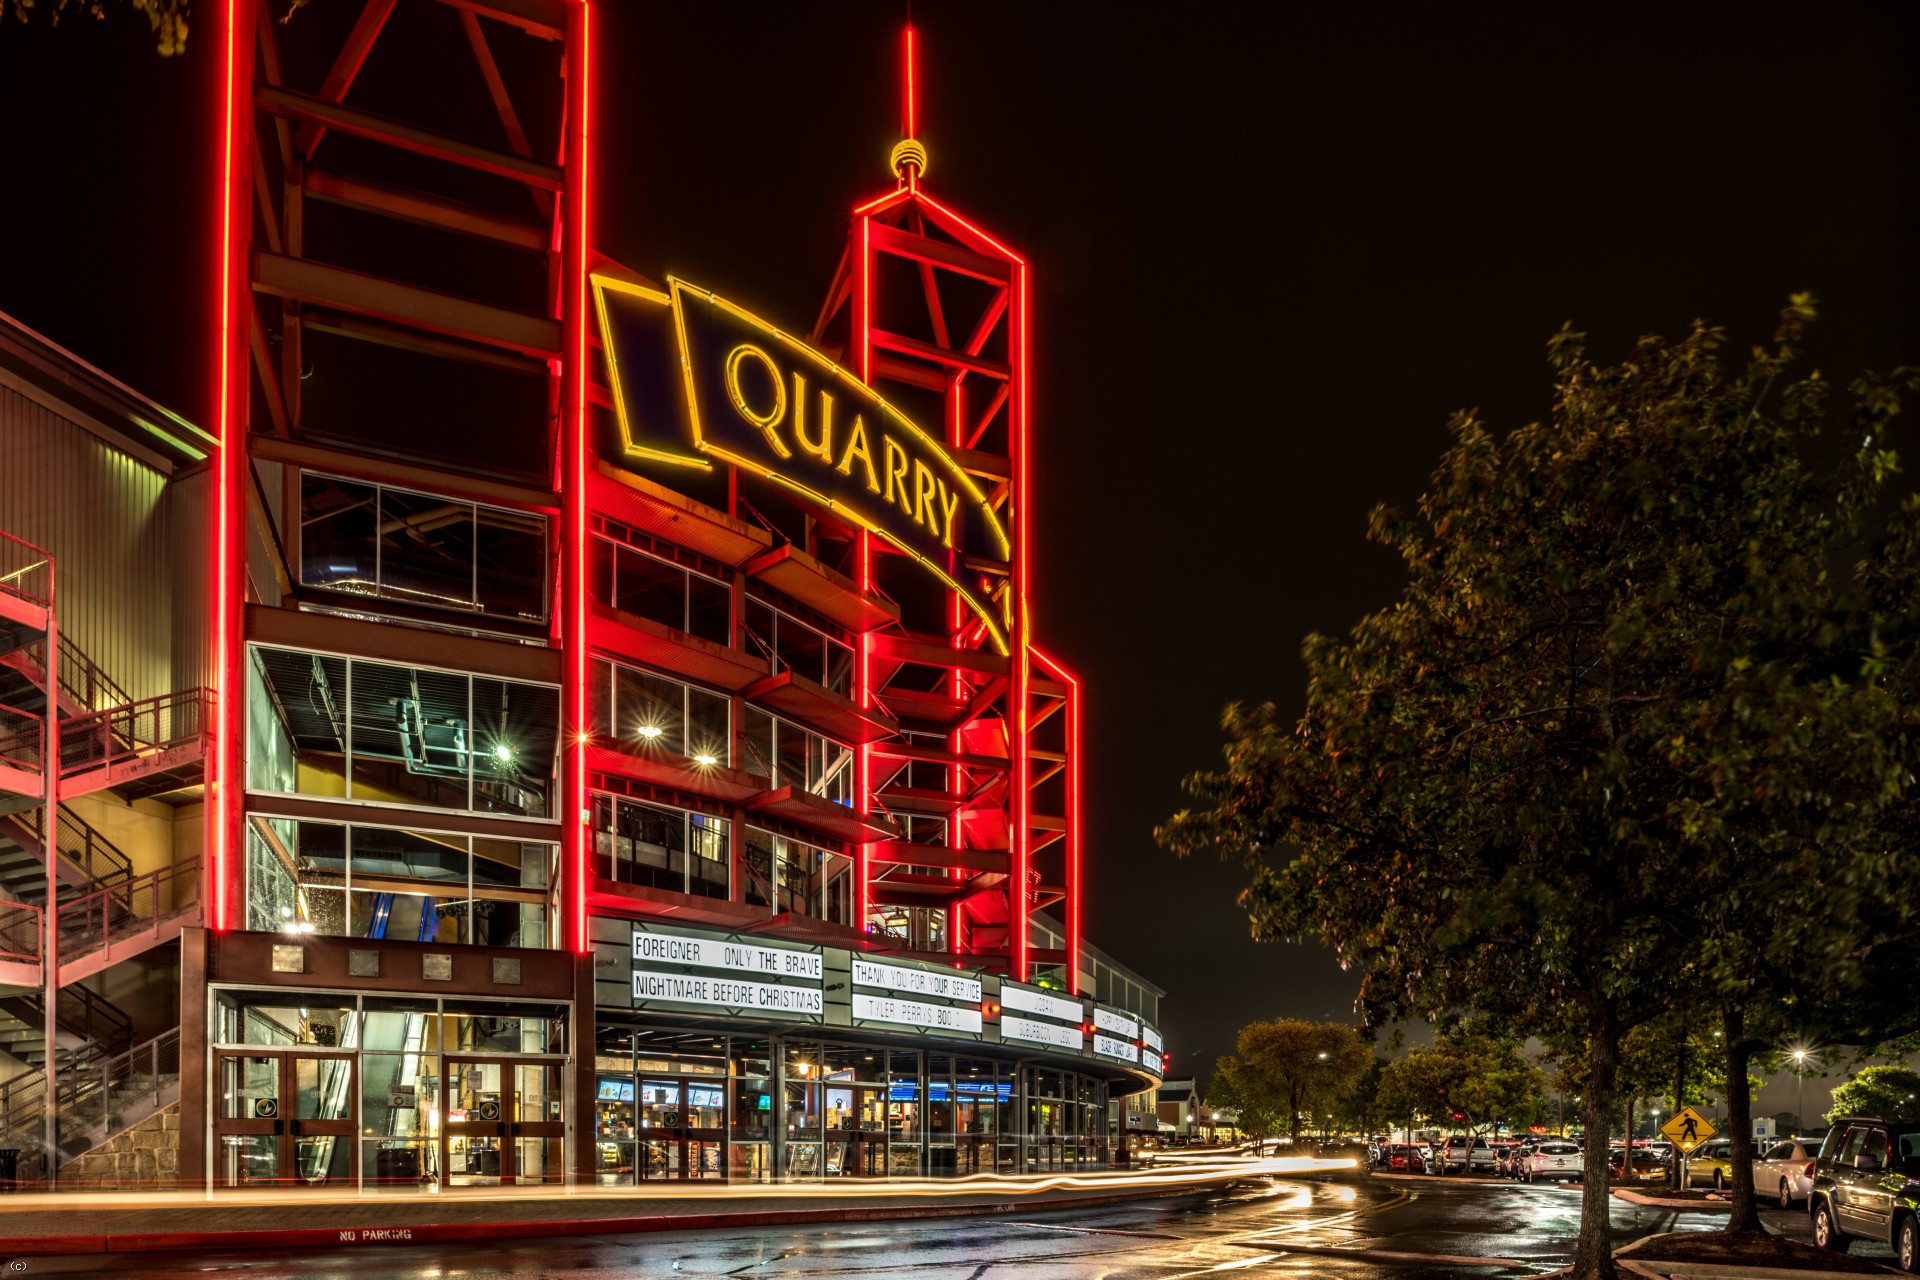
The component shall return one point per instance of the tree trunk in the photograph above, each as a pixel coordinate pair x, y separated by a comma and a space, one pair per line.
1593, 1250
1745, 1215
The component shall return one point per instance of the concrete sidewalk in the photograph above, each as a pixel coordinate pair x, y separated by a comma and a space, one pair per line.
131, 1223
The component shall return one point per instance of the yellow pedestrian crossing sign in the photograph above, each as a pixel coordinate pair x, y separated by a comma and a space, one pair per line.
1687, 1130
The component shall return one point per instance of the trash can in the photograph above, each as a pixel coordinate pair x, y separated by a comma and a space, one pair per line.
9, 1169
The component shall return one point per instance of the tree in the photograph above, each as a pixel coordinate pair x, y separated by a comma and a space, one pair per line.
1288, 1071
1619, 690
168, 18
1888, 1092
1361, 1110
1470, 1080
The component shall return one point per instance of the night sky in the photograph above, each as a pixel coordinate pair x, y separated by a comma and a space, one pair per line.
1273, 247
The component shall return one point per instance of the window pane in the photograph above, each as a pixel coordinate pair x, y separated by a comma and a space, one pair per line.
296, 722
758, 859
411, 735
790, 747
382, 856
707, 715
600, 558
600, 696
651, 710
709, 608
650, 588
802, 649
426, 549
709, 854
338, 519
756, 742
511, 563
516, 748
839, 668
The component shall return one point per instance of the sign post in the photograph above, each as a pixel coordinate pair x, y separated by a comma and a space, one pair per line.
1687, 1129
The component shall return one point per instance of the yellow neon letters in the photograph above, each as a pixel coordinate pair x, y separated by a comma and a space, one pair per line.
823, 447
892, 452
770, 419
857, 448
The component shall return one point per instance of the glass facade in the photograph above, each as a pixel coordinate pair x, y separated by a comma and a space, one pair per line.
422, 549
649, 844
698, 1105
386, 1090
419, 737
654, 711
363, 881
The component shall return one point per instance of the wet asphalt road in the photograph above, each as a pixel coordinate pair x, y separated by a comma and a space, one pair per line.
1413, 1229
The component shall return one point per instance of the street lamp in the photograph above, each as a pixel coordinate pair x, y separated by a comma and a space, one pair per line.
1800, 1099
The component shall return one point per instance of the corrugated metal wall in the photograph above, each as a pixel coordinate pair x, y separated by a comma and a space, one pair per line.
114, 529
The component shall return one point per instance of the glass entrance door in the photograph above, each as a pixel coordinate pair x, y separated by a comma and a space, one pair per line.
856, 1130
682, 1126
286, 1119
504, 1122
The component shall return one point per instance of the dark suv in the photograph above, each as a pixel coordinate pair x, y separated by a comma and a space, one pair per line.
1866, 1183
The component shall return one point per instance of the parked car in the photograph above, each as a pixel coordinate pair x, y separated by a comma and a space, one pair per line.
1647, 1166
1866, 1183
1403, 1157
1503, 1155
1711, 1162
1467, 1155
1553, 1162
1781, 1170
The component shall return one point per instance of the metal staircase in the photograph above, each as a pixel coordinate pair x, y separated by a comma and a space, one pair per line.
99, 1095
105, 911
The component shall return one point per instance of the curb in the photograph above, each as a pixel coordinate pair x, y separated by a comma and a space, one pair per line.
446, 1232
1656, 1270
1659, 1202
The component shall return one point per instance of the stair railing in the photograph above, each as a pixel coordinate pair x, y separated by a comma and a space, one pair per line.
20, 932
98, 1094
141, 728
21, 734
26, 571
101, 1023
103, 861
118, 911
82, 680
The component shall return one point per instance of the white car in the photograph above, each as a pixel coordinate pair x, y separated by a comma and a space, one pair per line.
1781, 1171
1552, 1162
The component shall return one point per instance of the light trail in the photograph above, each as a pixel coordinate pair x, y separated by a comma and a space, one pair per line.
1192, 1174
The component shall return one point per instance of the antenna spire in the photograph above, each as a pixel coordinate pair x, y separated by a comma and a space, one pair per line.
909, 159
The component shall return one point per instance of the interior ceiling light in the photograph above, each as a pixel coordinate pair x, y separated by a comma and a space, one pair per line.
503, 752
708, 760
650, 731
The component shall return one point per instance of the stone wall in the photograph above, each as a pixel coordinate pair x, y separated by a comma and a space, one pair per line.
146, 1154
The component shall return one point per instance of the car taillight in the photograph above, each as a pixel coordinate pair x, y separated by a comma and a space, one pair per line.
1808, 1172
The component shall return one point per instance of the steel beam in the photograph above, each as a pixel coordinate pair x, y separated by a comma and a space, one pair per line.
364, 124
407, 304
357, 192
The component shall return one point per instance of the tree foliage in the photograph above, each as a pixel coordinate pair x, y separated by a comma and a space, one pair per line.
168, 18
1466, 1080
1554, 782
1288, 1073
1888, 1092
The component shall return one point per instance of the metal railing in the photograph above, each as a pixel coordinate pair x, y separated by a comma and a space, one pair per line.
82, 680
101, 859
20, 739
114, 912
20, 932
99, 1095
120, 734
26, 571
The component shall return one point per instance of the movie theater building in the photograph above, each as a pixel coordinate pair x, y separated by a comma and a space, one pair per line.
553, 723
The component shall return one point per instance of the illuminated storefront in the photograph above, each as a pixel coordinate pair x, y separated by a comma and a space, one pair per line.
618, 747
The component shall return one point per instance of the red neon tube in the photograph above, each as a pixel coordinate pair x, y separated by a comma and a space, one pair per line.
224, 790
578, 206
